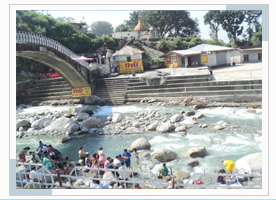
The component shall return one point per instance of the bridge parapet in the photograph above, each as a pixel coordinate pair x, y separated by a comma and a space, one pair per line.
23, 37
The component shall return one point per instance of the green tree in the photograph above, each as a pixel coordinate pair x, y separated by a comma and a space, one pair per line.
252, 18
100, 28
109, 42
257, 37
130, 24
231, 22
178, 23
212, 18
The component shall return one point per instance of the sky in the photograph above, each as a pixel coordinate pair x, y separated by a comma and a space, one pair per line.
117, 17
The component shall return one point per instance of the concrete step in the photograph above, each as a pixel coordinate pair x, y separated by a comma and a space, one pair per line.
50, 94
201, 88
41, 91
50, 80
34, 87
172, 81
195, 93
195, 84
30, 99
218, 98
50, 84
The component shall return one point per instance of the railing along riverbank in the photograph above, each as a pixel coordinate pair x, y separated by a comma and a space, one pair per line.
53, 179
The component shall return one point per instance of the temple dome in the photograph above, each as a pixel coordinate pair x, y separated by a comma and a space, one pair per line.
140, 26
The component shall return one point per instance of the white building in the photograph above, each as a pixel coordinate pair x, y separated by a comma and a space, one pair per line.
212, 55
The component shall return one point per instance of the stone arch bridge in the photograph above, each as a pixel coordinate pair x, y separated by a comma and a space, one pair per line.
54, 55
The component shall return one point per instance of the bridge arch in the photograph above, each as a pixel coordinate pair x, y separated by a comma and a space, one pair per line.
54, 55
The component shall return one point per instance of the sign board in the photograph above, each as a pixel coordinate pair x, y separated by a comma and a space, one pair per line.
127, 67
81, 92
136, 56
171, 62
204, 59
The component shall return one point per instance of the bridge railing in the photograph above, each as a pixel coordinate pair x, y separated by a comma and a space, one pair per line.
23, 37
86, 175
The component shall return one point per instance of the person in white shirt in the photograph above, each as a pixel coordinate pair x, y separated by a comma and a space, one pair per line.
42, 150
117, 162
34, 175
124, 172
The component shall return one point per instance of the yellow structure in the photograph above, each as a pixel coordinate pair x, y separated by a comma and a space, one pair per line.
140, 26
204, 59
129, 59
171, 62
81, 92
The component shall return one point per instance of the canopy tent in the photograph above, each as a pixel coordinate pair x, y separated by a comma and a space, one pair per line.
82, 58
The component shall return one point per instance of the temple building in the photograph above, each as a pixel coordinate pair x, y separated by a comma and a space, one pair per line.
140, 32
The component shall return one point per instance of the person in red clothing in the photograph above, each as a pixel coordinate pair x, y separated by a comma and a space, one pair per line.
38, 77
137, 186
45, 76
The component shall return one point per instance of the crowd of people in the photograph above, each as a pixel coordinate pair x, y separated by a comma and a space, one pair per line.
52, 158
50, 74
99, 160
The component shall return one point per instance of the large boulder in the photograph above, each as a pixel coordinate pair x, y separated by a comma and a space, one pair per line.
39, 124
153, 126
154, 78
23, 85
181, 128
117, 117
23, 123
197, 152
188, 121
60, 124
139, 144
73, 128
192, 162
91, 122
93, 100
84, 109
189, 113
165, 127
82, 116
181, 174
163, 155
250, 163
65, 139
175, 118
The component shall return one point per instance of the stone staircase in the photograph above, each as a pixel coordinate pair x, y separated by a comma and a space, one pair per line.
48, 89
112, 90
178, 87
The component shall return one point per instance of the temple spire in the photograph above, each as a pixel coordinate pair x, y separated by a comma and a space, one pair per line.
140, 26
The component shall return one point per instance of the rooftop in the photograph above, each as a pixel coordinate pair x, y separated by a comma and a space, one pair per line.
127, 50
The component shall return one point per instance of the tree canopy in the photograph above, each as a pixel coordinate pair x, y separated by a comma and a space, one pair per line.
212, 18
100, 28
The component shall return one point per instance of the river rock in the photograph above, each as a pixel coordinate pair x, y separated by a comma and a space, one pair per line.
47, 123
39, 124
204, 125
250, 111
82, 116
57, 115
250, 163
152, 100
188, 121
222, 123
23, 123
30, 130
163, 155
117, 117
93, 100
197, 152
181, 128
73, 127
199, 115
109, 118
189, 113
65, 139
165, 127
136, 124
140, 144
59, 124
146, 155
218, 127
181, 174
84, 109
153, 126
91, 122
175, 118
192, 162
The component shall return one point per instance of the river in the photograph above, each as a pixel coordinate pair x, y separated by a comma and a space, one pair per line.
230, 143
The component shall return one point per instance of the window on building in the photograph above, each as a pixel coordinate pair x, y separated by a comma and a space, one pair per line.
183, 61
128, 59
245, 58
260, 56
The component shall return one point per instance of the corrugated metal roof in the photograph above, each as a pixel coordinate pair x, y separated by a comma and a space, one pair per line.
196, 50
209, 47
127, 50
